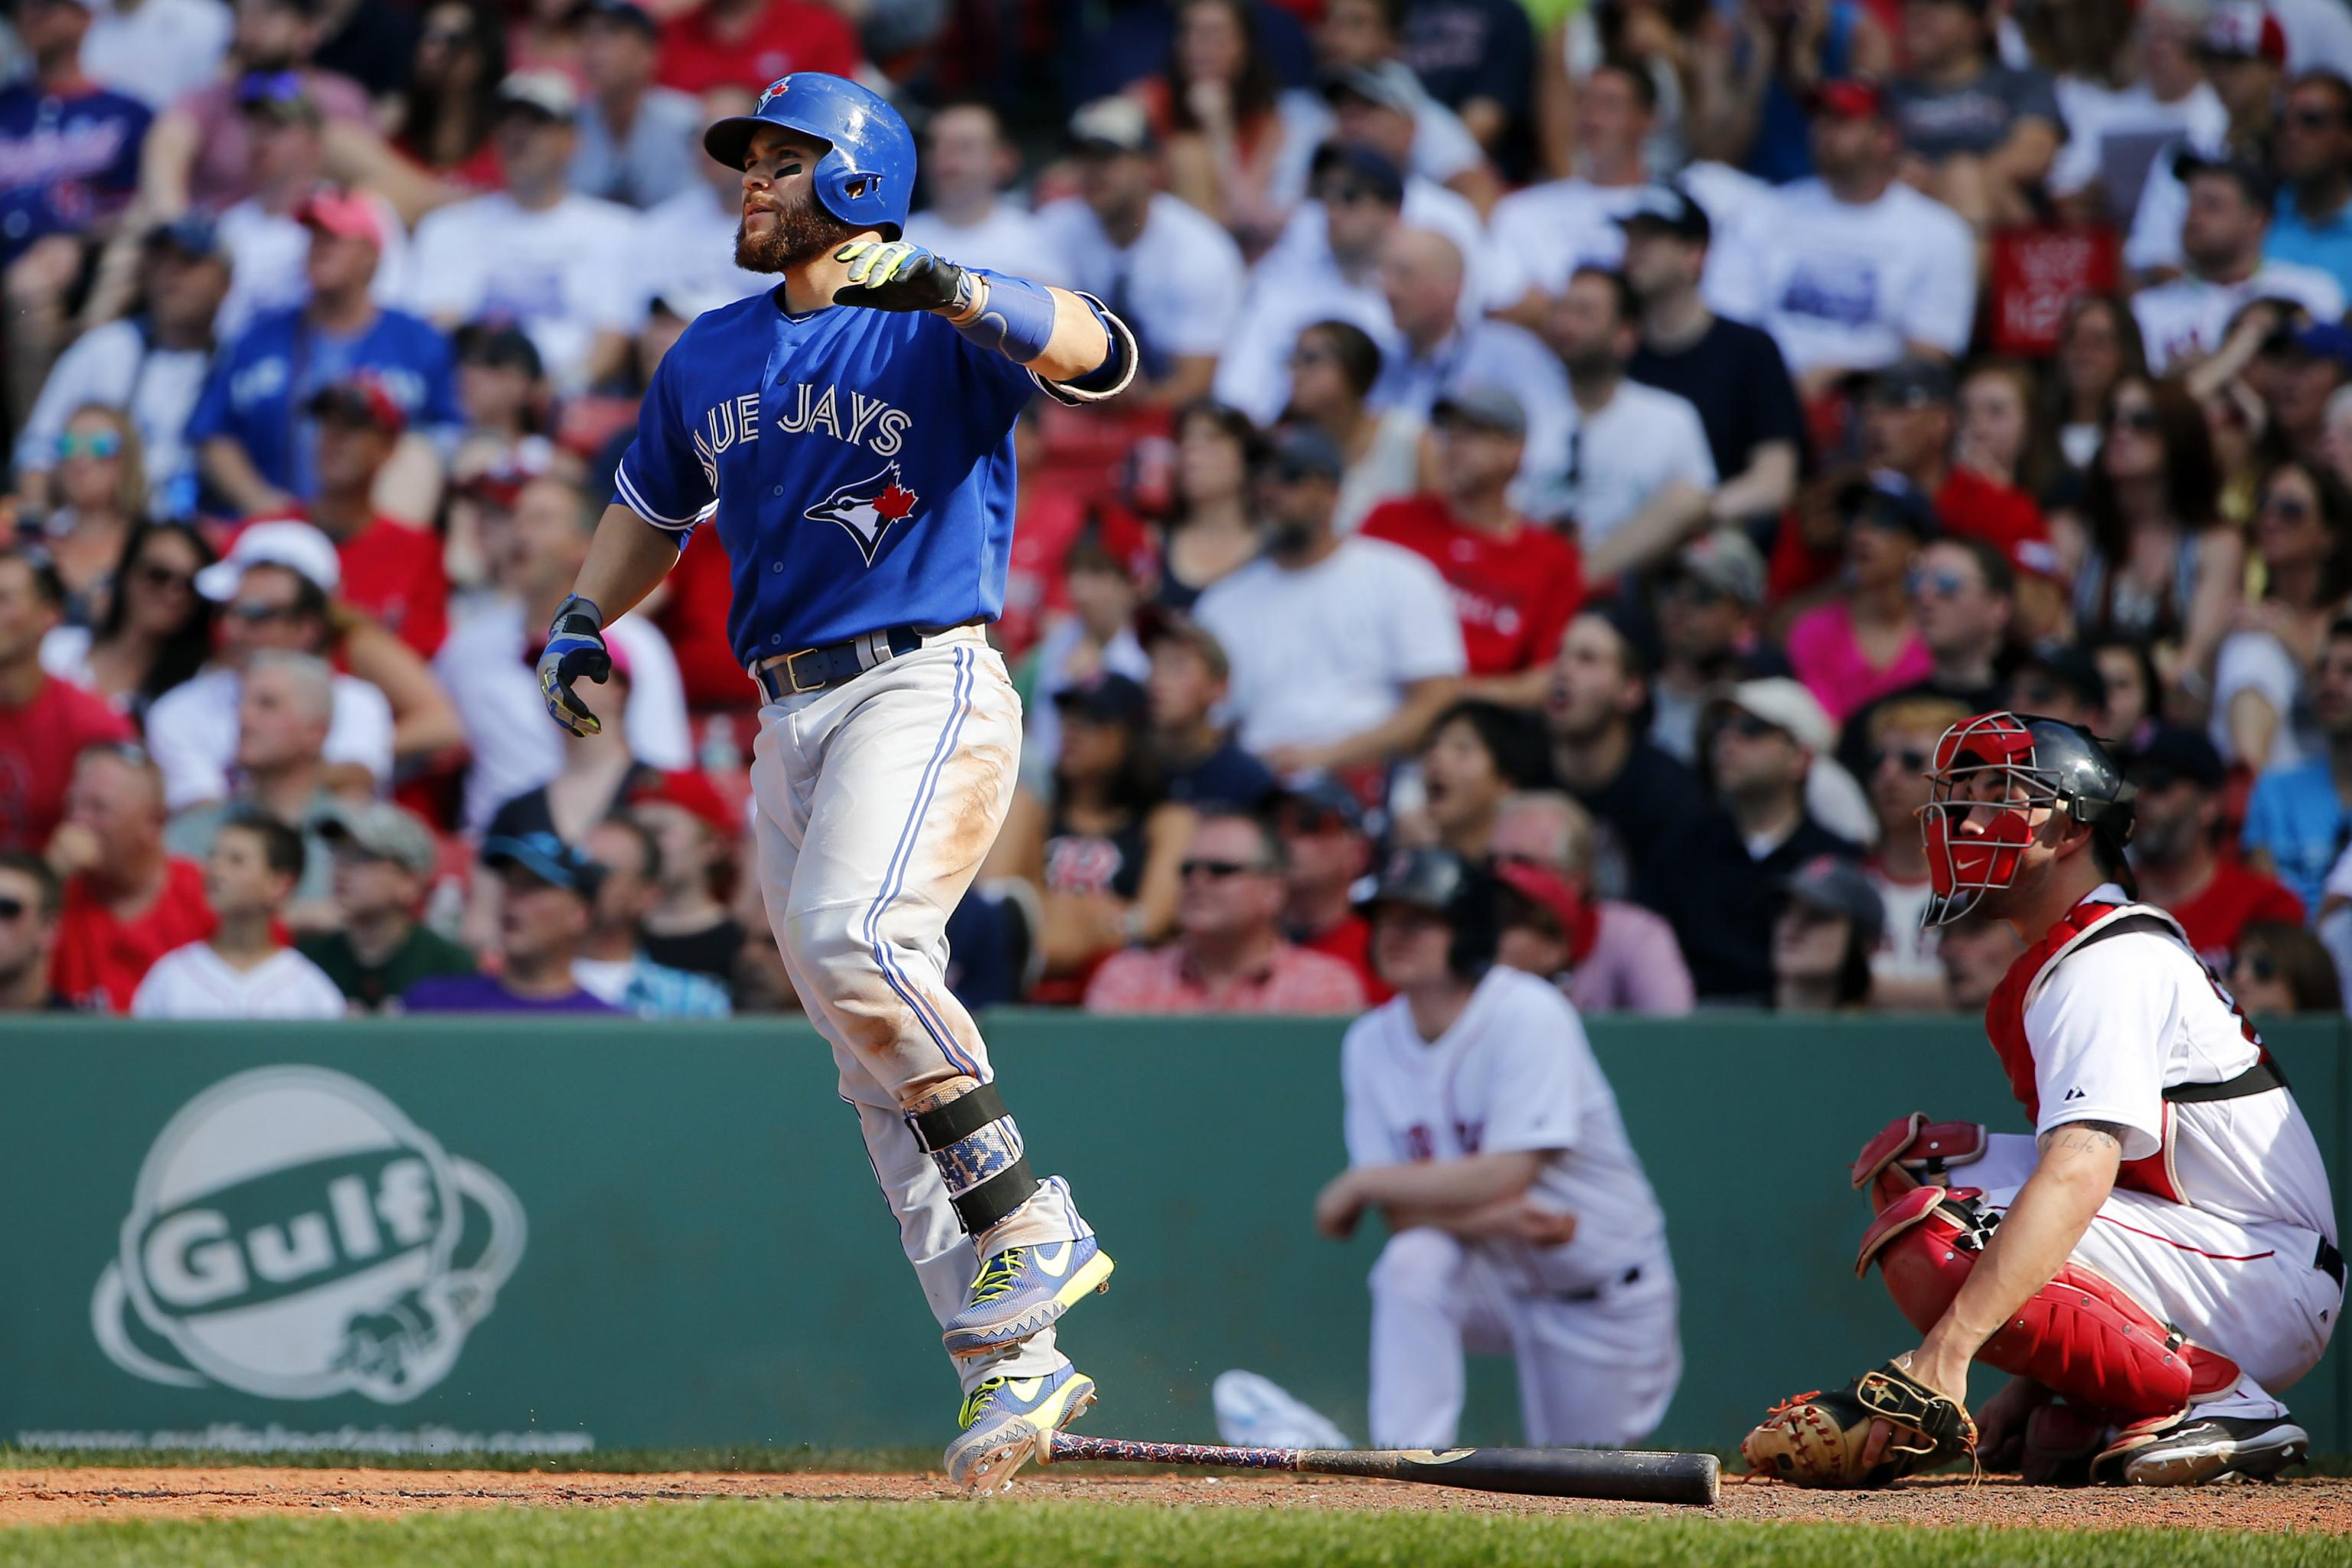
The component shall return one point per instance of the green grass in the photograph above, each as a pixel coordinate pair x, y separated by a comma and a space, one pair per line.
750, 1460
740, 1534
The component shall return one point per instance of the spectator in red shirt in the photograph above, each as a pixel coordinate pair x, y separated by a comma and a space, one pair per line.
1515, 585
751, 43
2180, 778
1325, 849
1229, 955
391, 571
1908, 418
127, 903
44, 722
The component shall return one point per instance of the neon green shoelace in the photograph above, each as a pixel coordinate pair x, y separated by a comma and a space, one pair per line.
1000, 1277
977, 1401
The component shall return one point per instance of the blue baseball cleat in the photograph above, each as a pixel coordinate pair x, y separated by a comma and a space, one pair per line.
1022, 1289
1006, 1421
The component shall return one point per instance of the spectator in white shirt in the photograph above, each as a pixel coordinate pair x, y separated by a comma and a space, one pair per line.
1360, 195
967, 164
1357, 47
242, 970
1343, 650
534, 552
152, 365
1546, 232
2221, 237
638, 142
684, 251
158, 51
537, 253
1640, 472
274, 589
2243, 51
267, 242
1854, 269
1168, 271
1422, 275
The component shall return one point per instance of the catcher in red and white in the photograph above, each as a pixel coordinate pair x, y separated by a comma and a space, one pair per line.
2158, 1262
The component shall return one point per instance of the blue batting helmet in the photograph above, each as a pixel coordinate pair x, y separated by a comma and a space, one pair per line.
867, 174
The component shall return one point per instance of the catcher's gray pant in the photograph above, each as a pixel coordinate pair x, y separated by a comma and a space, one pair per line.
1590, 1371
876, 801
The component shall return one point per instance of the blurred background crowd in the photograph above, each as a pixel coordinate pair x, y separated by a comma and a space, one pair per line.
1608, 438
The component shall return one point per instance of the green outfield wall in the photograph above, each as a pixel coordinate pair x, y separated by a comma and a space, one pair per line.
553, 1237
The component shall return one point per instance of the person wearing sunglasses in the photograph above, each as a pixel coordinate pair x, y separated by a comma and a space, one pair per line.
1229, 954
2263, 676
2175, 848
2282, 968
1327, 851
1905, 970
30, 898
2314, 154
1963, 598
44, 722
101, 491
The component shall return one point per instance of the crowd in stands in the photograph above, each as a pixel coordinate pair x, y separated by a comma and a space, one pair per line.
1610, 439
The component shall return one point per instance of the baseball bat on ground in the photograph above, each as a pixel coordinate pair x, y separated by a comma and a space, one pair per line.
1543, 1472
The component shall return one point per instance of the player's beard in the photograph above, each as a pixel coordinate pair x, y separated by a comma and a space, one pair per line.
802, 232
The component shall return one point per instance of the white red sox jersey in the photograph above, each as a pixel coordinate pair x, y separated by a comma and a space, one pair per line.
859, 464
1514, 1072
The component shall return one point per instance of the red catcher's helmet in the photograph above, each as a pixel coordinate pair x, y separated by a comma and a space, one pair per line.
1990, 772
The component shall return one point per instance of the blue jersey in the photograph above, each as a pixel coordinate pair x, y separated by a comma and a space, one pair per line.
66, 161
260, 384
860, 464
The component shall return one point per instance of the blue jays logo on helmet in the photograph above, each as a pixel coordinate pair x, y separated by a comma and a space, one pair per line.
865, 175
868, 508
775, 89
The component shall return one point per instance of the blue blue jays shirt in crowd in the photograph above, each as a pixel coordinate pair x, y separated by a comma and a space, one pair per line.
859, 463
261, 383
67, 160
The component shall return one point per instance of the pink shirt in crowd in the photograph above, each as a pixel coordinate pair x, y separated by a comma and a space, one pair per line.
1635, 966
222, 178
1824, 653
1162, 979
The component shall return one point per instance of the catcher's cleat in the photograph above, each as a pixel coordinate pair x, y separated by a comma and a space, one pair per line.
1022, 1289
2203, 1448
1006, 1421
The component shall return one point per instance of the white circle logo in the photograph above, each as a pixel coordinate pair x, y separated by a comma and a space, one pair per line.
293, 1235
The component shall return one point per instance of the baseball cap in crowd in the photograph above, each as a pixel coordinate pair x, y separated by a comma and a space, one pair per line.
1389, 83
2055, 670
1781, 702
1370, 164
193, 234
499, 484
1849, 97
2169, 753
277, 96
547, 857
1888, 499
1105, 697
1112, 125
503, 347
2039, 558
547, 93
1725, 560
382, 831
2323, 340
1670, 210
1481, 407
1316, 804
1835, 887
2244, 30
2251, 177
358, 400
346, 215
1911, 383
625, 12
691, 791
297, 546
1295, 452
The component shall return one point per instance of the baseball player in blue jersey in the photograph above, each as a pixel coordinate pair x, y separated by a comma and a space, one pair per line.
851, 433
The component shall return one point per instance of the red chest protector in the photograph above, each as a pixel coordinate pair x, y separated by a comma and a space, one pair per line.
2005, 1026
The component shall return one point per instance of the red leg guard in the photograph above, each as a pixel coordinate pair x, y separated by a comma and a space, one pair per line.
2080, 1335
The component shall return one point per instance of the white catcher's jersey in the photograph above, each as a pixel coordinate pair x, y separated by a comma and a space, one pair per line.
1514, 1072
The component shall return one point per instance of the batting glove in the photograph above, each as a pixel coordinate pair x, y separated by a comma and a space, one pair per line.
575, 647
893, 275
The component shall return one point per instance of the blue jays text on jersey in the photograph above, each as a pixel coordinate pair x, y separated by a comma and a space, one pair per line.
858, 464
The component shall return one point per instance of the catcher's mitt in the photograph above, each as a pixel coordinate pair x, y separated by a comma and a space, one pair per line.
1816, 1439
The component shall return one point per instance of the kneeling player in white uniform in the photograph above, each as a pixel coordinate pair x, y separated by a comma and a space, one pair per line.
1479, 1122
2161, 1253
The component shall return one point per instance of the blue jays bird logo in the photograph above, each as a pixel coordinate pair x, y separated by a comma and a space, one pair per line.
776, 89
868, 508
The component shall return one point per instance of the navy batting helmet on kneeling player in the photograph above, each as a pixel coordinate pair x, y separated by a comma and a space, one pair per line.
1457, 892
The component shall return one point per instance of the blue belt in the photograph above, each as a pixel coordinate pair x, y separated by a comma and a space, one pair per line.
814, 669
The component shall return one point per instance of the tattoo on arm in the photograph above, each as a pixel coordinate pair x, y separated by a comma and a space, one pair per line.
2084, 1137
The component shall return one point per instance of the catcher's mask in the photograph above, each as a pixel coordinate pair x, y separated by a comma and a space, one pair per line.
1991, 772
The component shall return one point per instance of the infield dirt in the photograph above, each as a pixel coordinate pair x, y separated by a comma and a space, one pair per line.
83, 1496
